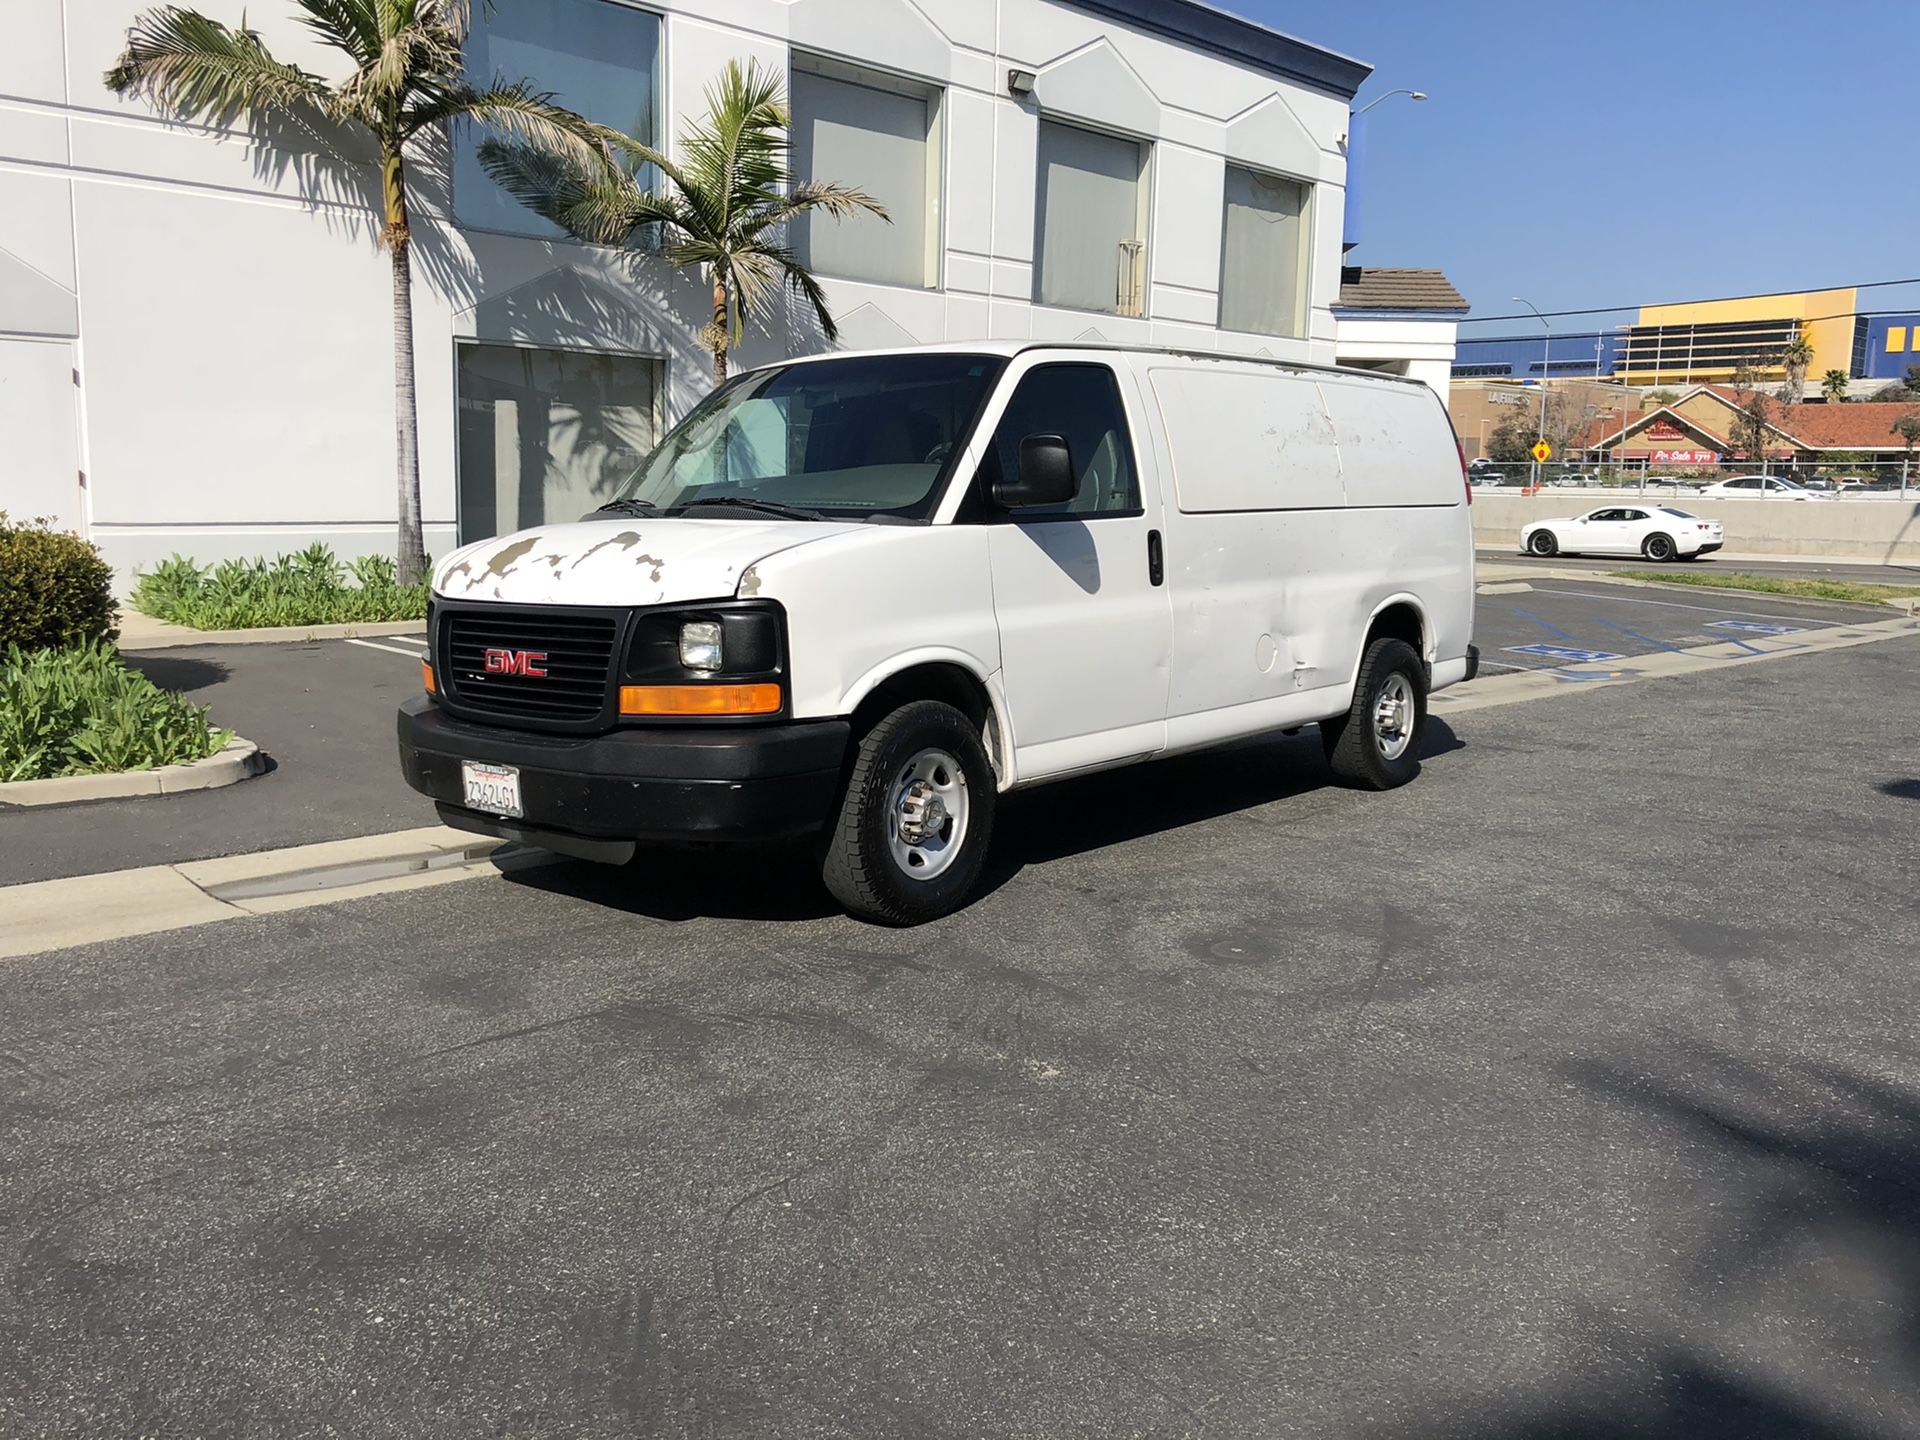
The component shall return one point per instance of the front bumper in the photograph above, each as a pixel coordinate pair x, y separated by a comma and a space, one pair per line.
595, 795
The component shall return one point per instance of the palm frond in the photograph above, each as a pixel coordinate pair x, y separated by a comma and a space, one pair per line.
598, 202
186, 62
411, 57
347, 25
839, 201
516, 112
801, 279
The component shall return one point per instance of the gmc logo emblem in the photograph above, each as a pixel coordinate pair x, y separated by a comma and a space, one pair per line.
516, 662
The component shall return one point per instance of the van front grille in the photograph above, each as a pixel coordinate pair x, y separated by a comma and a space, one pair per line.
528, 664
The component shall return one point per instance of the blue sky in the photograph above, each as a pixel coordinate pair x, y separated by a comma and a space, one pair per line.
1592, 154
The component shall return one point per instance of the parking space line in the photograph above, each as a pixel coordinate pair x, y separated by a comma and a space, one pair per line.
1674, 605
390, 649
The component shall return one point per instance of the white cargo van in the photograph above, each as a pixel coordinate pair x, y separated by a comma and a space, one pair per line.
864, 595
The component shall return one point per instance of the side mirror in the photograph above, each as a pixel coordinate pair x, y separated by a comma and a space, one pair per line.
1046, 475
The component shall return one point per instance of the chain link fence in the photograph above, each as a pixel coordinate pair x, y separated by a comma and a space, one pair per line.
1884, 480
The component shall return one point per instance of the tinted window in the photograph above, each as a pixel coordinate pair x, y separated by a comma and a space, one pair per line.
1633, 514
1081, 402
1682, 514
849, 438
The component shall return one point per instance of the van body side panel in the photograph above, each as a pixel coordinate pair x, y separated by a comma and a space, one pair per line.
879, 598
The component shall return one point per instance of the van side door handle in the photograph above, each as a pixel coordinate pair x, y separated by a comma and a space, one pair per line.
1156, 563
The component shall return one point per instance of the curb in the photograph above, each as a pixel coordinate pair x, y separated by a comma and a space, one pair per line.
48, 915
1520, 575
162, 635
239, 760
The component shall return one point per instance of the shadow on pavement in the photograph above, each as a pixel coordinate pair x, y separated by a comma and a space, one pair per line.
1799, 1314
179, 672
1902, 789
1052, 822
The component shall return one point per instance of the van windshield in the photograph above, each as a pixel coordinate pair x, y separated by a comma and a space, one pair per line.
867, 437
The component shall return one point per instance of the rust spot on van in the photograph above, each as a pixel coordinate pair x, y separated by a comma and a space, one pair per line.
626, 540
501, 562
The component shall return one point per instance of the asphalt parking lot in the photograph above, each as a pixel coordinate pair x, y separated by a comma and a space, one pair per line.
1570, 1092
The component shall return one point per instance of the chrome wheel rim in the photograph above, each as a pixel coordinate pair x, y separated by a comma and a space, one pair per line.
1394, 713
927, 814
1543, 544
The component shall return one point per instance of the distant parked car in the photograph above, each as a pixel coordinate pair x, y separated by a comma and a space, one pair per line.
1659, 532
1760, 487
1822, 484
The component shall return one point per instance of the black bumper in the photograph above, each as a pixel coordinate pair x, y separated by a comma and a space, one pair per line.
1473, 661
594, 795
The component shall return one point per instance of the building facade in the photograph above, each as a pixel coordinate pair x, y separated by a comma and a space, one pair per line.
195, 334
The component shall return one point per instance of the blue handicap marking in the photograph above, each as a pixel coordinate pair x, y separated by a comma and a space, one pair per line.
1747, 627
1566, 654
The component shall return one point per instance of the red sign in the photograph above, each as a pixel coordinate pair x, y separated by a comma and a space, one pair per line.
515, 662
1664, 430
1673, 457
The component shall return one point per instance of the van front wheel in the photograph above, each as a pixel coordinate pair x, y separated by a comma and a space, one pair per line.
1376, 744
915, 819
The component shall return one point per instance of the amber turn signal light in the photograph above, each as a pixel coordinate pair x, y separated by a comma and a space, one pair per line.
426, 677
700, 699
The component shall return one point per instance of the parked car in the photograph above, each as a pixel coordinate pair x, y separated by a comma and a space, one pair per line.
1821, 484
860, 596
1659, 532
1760, 487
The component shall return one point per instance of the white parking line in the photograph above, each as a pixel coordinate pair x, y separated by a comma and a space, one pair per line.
415, 654
1676, 605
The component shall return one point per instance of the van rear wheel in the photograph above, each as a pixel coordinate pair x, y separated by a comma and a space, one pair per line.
1376, 744
915, 819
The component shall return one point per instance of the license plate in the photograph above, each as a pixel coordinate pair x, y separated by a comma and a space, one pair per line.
492, 788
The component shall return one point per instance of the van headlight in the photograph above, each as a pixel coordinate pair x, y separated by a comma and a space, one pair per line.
701, 647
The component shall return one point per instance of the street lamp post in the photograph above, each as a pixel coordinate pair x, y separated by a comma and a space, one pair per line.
1412, 94
1546, 370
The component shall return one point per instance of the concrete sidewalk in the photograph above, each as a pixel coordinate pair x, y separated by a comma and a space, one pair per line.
143, 632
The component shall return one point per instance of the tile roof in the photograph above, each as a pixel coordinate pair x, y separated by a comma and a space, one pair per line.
1867, 425
1368, 288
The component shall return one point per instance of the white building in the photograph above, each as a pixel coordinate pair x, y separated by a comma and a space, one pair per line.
195, 337
1401, 321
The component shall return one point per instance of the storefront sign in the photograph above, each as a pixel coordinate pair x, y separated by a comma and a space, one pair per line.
1677, 457
1664, 430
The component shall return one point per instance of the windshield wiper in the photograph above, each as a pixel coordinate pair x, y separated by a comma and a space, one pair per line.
749, 502
627, 505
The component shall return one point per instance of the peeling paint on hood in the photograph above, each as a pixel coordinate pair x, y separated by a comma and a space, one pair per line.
623, 562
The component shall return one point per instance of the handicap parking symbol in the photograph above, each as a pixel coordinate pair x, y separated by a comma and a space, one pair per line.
1748, 627
1565, 654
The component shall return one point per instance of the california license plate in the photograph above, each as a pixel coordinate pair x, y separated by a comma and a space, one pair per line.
492, 788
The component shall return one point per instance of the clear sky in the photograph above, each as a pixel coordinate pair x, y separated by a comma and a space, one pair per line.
1635, 151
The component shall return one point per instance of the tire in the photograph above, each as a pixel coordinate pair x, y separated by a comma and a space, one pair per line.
1660, 549
1544, 543
869, 864
1359, 750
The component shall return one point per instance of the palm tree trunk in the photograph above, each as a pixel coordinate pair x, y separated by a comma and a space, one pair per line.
410, 549
721, 330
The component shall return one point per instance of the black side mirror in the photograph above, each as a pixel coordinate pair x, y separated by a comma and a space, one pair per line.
1046, 475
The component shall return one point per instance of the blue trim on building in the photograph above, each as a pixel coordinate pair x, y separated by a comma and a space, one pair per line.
1524, 356
1872, 359
1202, 27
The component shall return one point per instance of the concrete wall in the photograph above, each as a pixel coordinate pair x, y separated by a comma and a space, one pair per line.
225, 307
1884, 531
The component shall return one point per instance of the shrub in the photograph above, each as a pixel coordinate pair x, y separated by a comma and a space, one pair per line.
311, 588
55, 589
81, 711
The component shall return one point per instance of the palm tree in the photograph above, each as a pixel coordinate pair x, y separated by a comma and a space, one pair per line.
728, 200
1834, 385
407, 83
1797, 356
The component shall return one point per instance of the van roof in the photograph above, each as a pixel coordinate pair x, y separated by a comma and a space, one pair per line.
1007, 349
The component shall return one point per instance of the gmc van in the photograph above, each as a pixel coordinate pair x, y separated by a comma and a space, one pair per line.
862, 596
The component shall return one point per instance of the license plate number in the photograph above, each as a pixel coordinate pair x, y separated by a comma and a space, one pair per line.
492, 788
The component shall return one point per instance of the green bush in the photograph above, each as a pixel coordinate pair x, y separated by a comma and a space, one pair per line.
54, 588
80, 711
311, 588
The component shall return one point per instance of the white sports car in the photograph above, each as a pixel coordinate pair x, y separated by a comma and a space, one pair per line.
1659, 532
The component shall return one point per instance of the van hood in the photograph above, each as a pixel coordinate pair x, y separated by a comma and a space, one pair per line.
623, 561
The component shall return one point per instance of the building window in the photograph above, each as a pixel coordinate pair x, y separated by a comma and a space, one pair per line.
1263, 263
1091, 230
547, 435
1896, 339
599, 58
881, 136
